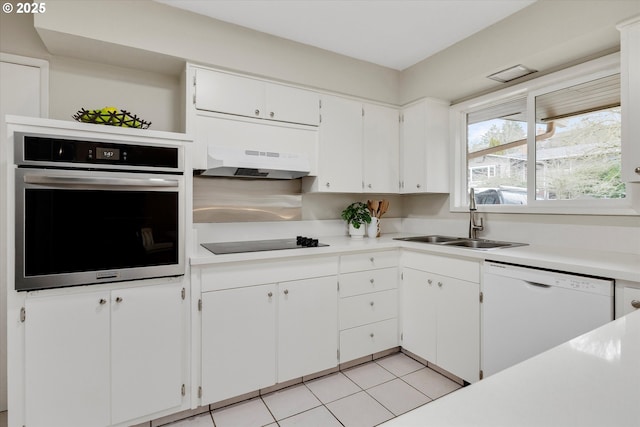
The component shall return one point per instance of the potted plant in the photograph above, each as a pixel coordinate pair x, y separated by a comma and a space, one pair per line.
356, 214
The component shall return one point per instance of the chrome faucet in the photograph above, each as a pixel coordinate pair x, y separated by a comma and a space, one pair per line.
474, 227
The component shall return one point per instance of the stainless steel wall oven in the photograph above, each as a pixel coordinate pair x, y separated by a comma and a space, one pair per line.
96, 211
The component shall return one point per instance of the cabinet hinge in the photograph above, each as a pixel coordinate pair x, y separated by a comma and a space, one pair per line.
338, 353
362, 111
199, 305
402, 276
402, 336
320, 103
481, 374
23, 314
320, 118
200, 391
183, 293
183, 390
338, 286
481, 297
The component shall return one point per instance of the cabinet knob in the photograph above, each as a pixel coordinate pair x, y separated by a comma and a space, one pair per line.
637, 170
418, 186
271, 114
372, 259
286, 291
369, 185
118, 299
328, 185
371, 303
371, 334
371, 281
270, 294
257, 112
429, 281
440, 284
635, 303
102, 301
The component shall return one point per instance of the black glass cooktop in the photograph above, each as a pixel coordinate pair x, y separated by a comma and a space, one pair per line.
261, 245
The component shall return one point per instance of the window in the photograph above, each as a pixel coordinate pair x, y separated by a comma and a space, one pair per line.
549, 145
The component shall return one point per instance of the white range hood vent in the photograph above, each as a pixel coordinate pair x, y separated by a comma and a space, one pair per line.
243, 163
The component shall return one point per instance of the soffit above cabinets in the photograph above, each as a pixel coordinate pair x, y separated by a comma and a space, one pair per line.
392, 33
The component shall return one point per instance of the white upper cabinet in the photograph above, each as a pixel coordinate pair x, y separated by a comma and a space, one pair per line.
293, 105
243, 96
630, 98
357, 148
381, 137
424, 162
339, 146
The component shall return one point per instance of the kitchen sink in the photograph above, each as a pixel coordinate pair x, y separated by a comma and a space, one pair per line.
429, 239
461, 242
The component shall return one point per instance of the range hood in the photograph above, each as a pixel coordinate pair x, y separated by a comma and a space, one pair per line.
245, 163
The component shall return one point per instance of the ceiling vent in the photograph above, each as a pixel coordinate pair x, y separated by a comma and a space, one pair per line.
511, 73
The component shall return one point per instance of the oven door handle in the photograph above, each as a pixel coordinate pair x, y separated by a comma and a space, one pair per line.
100, 182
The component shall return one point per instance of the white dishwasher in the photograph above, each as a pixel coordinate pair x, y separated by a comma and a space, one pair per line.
526, 311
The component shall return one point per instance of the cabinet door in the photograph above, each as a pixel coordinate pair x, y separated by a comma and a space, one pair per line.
67, 360
413, 149
307, 327
459, 327
630, 98
340, 146
227, 93
146, 350
381, 134
419, 313
289, 104
238, 341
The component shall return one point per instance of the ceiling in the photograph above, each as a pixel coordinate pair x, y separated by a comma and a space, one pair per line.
391, 33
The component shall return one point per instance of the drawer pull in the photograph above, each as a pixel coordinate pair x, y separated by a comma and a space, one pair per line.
257, 112
635, 303
118, 299
371, 334
371, 259
371, 281
286, 291
429, 281
270, 294
102, 301
371, 303
440, 284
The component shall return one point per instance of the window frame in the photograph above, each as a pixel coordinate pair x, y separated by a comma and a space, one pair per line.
459, 197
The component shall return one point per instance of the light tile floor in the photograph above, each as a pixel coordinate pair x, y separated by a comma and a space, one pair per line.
363, 396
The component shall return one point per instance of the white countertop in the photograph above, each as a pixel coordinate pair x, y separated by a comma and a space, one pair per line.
615, 265
592, 380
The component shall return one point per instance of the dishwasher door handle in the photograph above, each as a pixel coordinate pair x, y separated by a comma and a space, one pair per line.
538, 285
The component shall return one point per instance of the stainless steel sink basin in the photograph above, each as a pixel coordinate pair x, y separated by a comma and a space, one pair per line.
482, 244
461, 242
428, 239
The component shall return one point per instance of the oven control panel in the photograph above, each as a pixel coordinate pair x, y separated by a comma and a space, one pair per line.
38, 150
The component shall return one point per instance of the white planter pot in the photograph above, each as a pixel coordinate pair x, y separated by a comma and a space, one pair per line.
357, 233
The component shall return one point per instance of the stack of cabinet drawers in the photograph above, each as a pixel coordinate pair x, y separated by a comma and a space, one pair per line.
368, 306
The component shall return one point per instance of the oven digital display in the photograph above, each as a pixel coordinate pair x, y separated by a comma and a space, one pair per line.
103, 153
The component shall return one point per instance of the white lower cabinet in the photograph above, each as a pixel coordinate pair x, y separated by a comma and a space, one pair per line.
102, 358
368, 307
238, 345
441, 313
254, 336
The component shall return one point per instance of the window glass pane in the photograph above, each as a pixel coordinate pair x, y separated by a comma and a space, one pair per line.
579, 157
497, 153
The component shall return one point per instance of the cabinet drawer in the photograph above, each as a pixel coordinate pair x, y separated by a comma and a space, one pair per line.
368, 339
362, 309
368, 260
362, 282
459, 268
